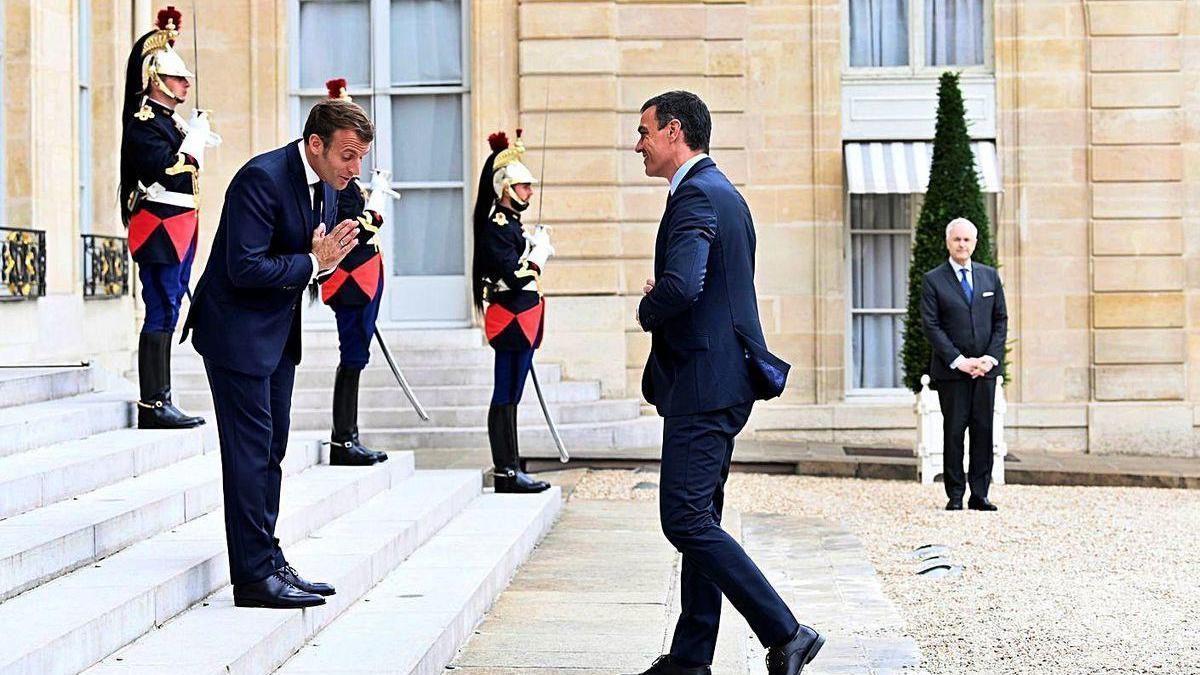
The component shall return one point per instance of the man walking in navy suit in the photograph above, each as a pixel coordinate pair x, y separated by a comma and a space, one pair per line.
966, 321
708, 364
271, 242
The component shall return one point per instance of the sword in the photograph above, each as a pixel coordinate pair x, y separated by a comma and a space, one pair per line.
558, 442
196, 51
537, 387
412, 398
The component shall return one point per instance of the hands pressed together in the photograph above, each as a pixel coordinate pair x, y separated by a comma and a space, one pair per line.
976, 367
331, 247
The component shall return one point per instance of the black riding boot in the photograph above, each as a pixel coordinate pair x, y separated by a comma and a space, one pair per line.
155, 410
344, 447
502, 435
168, 341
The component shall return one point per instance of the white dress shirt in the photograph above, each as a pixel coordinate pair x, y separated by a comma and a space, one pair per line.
311, 178
687, 166
970, 282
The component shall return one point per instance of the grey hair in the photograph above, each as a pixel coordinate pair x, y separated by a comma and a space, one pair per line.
962, 221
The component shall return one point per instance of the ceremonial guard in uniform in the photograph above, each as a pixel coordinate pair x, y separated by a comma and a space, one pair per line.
506, 275
353, 291
161, 156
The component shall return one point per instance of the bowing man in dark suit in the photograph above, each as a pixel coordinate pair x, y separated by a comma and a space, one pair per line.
966, 321
708, 364
270, 243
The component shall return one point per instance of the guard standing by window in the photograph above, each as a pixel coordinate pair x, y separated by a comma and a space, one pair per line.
161, 156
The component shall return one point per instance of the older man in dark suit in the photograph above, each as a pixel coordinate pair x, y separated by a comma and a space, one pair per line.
270, 243
708, 364
966, 321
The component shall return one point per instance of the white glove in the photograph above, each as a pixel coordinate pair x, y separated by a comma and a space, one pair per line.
199, 135
381, 191
539, 255
542, 248
540, 237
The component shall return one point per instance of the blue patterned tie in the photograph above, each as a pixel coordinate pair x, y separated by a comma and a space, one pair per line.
966, 286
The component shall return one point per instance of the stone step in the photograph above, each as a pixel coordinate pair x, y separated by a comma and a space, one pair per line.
330, 357
53, 540
415, 620
379, 375
40, 477
431, 397
37, 425
399, 339
21, 386
590, 439
74, 621
353, 553
529, 414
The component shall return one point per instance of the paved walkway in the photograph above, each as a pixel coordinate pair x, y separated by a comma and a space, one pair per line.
600, 595
1024, 467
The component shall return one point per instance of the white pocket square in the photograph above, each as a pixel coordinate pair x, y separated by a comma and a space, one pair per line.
988, 294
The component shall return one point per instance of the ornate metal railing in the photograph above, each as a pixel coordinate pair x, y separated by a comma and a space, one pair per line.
105, 266
22, 263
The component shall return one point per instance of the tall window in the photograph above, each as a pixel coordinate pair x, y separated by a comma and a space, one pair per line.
918, 35
880, 247
404, 63
84, 59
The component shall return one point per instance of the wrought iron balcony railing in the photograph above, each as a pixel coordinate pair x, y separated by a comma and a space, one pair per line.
105, 266
22, 263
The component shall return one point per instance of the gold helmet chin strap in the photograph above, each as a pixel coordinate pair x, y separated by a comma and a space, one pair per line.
158, 82
512, 193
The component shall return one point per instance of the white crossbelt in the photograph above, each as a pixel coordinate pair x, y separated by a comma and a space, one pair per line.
155, 192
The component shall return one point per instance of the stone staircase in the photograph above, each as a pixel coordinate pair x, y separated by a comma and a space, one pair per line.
112, 547
450, 371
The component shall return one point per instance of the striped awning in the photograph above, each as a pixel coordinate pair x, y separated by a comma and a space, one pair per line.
902, 167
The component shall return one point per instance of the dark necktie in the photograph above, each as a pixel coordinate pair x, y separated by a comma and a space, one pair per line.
318, 203
966, 286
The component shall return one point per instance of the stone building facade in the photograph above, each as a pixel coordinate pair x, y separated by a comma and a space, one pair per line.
1085, 104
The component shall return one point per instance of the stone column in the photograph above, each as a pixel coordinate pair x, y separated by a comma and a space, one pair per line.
1137, 207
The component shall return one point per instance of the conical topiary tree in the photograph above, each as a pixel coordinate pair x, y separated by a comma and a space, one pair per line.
953, 192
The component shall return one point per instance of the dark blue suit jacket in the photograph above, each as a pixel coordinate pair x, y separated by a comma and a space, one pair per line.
246, 309
707, 348
954, 326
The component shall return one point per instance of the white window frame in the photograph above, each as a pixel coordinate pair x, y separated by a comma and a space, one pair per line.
853, 392
917, 68
382, 91
84, 78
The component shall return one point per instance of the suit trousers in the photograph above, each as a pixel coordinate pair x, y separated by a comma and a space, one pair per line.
253, 418
967, 405
697, 451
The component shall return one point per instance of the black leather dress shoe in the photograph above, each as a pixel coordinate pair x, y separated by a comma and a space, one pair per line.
791, 657
290, 575
980, 504
274, 592
955, 504
665, 665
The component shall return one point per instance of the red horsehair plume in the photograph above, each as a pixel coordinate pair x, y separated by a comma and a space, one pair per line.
498, 141
169, 18
336, 87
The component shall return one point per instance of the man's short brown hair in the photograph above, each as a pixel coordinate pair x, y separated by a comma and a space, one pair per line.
330, 115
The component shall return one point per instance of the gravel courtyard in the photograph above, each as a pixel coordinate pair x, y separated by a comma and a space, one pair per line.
1060, 580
